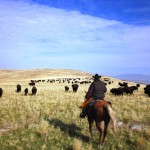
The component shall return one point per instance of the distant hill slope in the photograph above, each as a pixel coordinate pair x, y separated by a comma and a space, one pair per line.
40, 74
13, 76
140, 78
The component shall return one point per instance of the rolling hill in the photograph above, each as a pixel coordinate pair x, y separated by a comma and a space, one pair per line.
35, 74
40, 74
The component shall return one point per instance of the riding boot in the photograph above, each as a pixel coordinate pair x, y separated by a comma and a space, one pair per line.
83, 113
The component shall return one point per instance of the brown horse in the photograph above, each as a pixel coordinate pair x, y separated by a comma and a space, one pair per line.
100, 111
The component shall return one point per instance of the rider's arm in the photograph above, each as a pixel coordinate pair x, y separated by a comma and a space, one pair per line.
90, 92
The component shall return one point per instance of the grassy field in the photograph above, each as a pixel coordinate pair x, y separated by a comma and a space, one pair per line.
50, 119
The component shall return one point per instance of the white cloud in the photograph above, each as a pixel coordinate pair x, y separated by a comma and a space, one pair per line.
37, 36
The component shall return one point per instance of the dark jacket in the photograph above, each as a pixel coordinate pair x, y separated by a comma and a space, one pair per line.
96, 90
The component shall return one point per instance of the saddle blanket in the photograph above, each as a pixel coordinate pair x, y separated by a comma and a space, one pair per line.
85, 103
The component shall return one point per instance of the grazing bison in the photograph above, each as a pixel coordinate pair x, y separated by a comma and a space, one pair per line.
34, 90
75, 87
18, 88
130, 90
1, 92
123, 84
117, 91
147, 90
123, 90
32, 84
109, 82
66, 88
26, 91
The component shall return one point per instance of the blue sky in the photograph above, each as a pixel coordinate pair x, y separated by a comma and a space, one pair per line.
106, 37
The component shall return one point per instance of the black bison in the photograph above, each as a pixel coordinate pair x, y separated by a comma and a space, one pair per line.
109, 82
75, 87
32, 84
130, 90
66, 88
117, 91
123, 84
34, 90
123, 90
18, 88
147, 90
1, 92
26, 91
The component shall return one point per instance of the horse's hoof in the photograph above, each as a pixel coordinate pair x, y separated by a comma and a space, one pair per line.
101, 145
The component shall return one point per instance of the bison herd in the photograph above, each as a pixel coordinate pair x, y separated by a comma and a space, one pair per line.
123, 88
34, 90
74, 88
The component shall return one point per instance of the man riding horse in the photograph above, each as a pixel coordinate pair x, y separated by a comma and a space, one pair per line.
95, 92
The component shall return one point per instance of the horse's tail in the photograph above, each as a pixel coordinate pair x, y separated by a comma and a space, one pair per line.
112, 116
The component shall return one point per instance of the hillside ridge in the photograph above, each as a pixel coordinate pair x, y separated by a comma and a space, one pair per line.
40, 73
140, 78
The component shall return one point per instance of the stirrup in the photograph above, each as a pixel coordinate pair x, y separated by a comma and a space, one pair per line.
82, 115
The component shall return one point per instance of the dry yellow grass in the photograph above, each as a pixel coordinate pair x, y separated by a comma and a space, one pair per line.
53, 114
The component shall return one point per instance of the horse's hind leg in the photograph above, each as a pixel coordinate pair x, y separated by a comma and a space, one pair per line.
98, 125
90, 129
105, 130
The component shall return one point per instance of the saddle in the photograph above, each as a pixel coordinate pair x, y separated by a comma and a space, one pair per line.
91, 101
89, 106
85, 103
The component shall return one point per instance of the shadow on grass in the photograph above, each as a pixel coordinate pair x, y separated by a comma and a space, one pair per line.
71, 129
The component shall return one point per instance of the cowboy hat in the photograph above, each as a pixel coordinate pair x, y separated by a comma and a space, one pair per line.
96, 76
